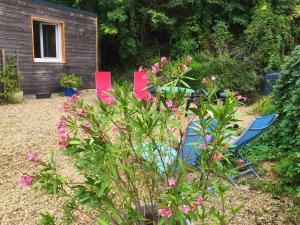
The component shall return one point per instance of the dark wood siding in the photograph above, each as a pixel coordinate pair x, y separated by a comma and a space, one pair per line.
80, 44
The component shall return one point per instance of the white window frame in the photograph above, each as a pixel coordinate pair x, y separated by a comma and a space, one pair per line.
58, 42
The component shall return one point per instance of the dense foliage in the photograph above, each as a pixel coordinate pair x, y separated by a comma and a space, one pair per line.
287, 132
132, 31
283, 141
10, 78
264, 106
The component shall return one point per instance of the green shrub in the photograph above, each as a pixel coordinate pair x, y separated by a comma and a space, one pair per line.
268, 37
284, 136
258, 151
264, 106
282, 142
235, 71
10, 78
129, 159
221, 36
287, 99
70, 81
289, 168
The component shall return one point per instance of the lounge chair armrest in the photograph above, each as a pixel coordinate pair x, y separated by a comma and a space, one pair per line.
260, 128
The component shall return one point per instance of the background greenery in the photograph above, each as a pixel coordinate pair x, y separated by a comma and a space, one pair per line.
236, 40
282, 142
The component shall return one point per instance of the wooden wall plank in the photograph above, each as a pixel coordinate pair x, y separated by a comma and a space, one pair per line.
80, 44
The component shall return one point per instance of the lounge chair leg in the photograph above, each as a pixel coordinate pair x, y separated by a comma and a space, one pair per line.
188, 103
254, 172
231, 180
250, 166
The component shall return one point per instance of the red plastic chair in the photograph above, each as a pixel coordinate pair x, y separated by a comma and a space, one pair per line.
103, 86
141, 80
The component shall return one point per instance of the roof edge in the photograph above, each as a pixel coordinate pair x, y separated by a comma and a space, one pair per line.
63, 7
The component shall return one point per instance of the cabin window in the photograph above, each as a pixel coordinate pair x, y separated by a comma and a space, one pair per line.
47, 41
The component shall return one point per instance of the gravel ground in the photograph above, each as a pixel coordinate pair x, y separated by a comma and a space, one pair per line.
29, 127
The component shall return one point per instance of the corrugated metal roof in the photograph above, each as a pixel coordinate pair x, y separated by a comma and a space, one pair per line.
62, 7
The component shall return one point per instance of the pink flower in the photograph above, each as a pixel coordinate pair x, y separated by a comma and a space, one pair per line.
174, 110
63, 135
63, 144
33, 157
171, 181
202, 146
141, 69
213, 78
87, 124
66, 107
188, 58
170, 103
199, 201
162, 212
217, 156
240, 97
155, 100
107, 101
64, 139
74, 98
155, 68
25, 180
185, 208
169, 213
207, 137
81, 112
185, 67
61, 128
67, 81
205, 81
163, 59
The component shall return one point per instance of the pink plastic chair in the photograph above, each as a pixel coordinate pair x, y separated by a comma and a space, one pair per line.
103, 86
140, 89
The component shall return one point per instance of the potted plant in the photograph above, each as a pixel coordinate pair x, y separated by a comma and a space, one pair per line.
70, 83
129, 159
11, 82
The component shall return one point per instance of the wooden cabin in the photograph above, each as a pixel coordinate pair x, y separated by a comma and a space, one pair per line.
48, 41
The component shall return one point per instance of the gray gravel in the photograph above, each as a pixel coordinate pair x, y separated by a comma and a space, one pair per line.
29, 127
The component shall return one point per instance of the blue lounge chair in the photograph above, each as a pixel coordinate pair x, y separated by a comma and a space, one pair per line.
194, 137
255, 129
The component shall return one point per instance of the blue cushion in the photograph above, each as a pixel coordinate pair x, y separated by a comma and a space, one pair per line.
194, 137
151, 153
255, 129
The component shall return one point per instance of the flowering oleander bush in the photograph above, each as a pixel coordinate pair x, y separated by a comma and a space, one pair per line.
129, 156
70, 81
169, 72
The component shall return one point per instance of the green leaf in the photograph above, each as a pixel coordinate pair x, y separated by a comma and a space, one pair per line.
102, 221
